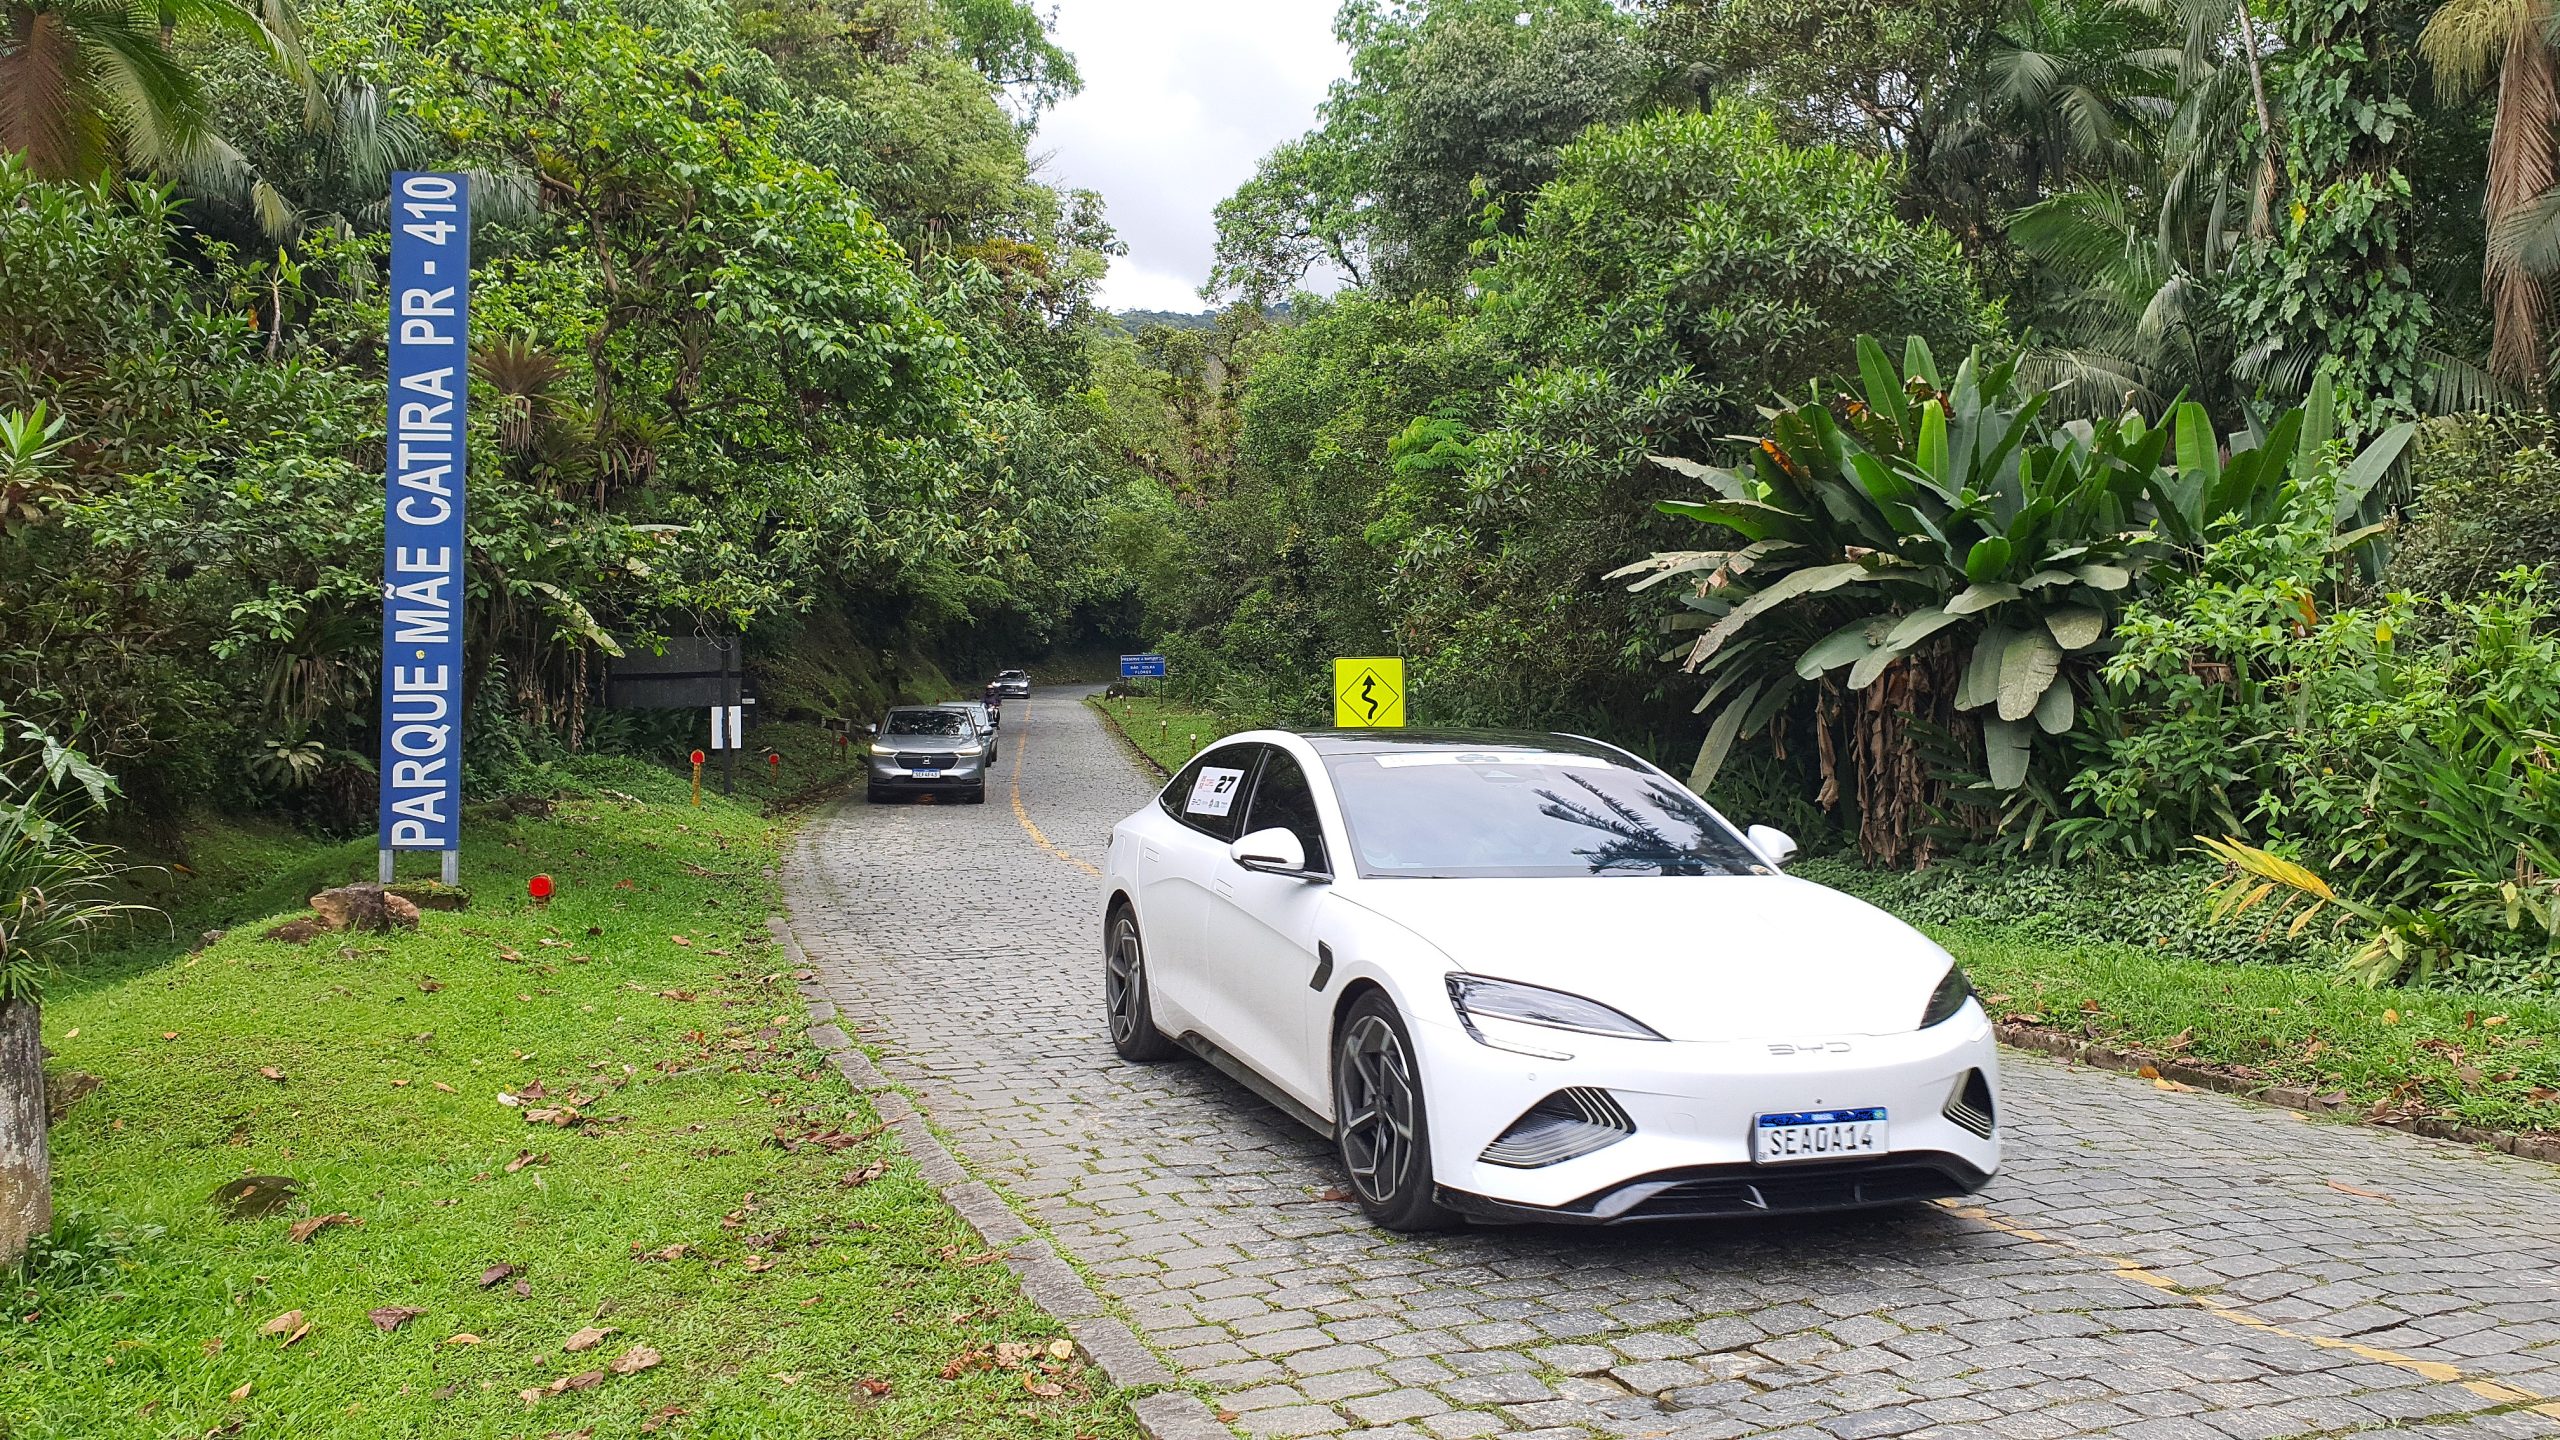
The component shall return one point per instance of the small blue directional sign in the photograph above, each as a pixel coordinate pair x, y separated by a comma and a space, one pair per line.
1141, 667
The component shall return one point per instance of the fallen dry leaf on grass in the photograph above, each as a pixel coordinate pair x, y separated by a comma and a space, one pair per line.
527, 1157
586, 1339
1045, 1389
634, 1360
856, 1179
303, 1230
281, 1323
495, 1273
680, 940
874, 1388
272, 1073
665, 1413
388, 1318
465, 1338
240, 1394
1062, 1349
444, 1087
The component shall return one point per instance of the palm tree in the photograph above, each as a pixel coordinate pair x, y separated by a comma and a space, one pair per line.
87, 86
2466, 41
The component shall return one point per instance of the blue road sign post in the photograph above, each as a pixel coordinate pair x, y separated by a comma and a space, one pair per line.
1141, 667
423, 547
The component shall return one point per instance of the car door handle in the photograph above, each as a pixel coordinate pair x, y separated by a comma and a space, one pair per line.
1150, 854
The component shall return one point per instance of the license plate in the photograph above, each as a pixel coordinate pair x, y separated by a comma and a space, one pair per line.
1818, 1135
924, 774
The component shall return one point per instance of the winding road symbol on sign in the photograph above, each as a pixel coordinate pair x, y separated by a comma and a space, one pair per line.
1368, 693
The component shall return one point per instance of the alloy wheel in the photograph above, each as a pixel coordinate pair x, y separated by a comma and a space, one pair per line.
1378, 1096
1124, 982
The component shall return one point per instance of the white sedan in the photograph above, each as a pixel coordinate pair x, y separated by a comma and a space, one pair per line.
1531, 977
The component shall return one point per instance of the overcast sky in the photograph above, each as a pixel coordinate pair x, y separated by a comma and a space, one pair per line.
1181, 97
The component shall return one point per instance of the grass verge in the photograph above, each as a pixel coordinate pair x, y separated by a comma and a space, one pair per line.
520, 1126
2485, 1060
1164, 731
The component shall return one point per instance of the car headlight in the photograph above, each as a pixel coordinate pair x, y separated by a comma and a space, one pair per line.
883, 751
1476, 996
1948, 998
970, 752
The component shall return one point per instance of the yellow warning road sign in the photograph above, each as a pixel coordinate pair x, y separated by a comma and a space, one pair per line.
1368, 692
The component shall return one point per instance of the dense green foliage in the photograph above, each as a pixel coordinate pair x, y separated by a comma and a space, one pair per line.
772, 329
2091, 596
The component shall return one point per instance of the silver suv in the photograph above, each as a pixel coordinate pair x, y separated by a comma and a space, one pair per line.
928, 750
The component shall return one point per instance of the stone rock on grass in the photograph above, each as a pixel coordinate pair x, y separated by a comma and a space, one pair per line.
432, 895
364, 907
295, 932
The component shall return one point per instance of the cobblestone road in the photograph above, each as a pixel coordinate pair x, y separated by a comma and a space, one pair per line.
2166, 1266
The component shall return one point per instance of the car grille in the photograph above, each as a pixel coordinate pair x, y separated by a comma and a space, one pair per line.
1564, 1126
1777, 1191
928, 761
1970, 1107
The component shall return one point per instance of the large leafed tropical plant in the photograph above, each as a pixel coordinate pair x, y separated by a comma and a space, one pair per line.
1917, 548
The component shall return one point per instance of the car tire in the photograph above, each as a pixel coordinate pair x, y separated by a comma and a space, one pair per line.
1382, 1126
1126, 1011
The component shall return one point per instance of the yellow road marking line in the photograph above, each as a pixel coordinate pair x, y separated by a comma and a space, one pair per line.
2128, 1271
1024, 816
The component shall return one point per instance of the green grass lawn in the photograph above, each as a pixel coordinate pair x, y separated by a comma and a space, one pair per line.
2481, 1059
681, 1170
1167, 732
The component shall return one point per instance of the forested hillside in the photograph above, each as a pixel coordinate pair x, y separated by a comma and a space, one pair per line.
2195, 480
2235, 523
775, 329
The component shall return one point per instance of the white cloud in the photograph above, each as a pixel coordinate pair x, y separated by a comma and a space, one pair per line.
1181, 98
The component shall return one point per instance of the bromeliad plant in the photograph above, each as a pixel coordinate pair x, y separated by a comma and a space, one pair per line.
1930, 549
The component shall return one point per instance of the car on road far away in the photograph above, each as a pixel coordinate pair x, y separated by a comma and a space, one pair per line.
983, 716
1531, 977
928, 750
1014, 684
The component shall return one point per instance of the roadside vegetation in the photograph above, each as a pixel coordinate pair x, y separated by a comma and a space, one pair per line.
506, 1131
1165, 731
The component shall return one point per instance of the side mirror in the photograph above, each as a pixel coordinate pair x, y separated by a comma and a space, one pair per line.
1776, 844
870, 729
1274, 852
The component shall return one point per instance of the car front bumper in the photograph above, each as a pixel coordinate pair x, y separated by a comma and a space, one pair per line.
892, 772
1690, 1109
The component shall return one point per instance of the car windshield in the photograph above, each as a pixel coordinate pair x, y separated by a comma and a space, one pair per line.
1455, 813
928, 722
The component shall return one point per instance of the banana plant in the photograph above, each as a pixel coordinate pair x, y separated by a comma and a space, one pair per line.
1905, 513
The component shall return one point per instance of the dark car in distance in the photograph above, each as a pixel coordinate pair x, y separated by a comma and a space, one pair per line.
1014, 684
